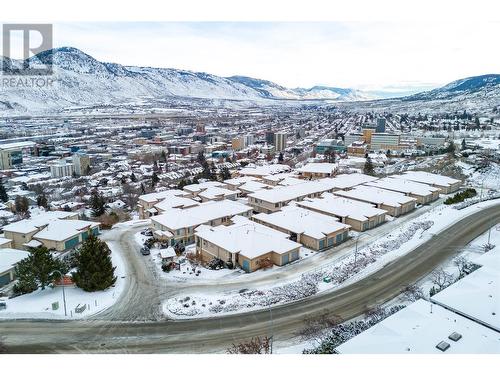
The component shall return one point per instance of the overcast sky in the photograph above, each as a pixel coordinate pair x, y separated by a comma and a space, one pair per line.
373, 56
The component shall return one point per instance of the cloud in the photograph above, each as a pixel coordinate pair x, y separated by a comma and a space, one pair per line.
373, 55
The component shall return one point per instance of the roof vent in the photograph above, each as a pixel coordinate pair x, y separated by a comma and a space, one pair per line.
443, 346
455, 336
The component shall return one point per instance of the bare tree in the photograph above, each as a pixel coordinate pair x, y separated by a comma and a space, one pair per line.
376, 313
413, 293
257, 345
441, 278
462, 264
318, 328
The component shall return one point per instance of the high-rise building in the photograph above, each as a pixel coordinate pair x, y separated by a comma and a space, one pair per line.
280, 141
270, 137
380, 125
81, 163
61, 169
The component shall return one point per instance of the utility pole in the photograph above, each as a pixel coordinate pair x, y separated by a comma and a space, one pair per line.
272, 326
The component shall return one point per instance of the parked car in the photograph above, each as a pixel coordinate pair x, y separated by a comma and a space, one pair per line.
145, 251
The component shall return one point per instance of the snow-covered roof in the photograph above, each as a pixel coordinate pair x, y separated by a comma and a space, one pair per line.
264, 170
169, 252
16, 145
175, 202
248, 239
36, 222
428, 178
288, 193
195, 188
237, 181
154, 197
253, 186
346, 181
216, 192
418, 329
376, 196
475, 296
4, 241
176, 218
303, 221
63, 229
404, 186
318, 168
9, 258
343, 207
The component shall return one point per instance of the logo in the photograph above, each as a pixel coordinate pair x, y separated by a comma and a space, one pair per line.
21, 41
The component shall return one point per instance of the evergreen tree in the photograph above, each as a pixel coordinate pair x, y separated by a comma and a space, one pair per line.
37, 270
368, 168
95, 269
42, 201
280, 158
224, 174
143, 189
464, 146
3, 194
154, 179
133, 178
97, 204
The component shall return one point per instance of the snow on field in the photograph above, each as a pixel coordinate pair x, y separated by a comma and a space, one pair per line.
346, 269
38, 305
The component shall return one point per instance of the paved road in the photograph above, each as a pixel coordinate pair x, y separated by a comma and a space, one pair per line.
215, 334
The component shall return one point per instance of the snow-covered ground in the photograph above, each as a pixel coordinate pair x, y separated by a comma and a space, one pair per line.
38, 305
344, 270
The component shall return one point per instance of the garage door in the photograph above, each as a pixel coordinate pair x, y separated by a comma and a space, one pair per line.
4, 279
246, 265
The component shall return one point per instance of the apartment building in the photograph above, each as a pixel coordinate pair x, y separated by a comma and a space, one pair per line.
312, 171
396, 204
178, 225
360, 216
245, 243
446, 185
312, 229
422, 192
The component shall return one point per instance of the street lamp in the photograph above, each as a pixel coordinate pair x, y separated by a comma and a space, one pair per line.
64, 295
272, 326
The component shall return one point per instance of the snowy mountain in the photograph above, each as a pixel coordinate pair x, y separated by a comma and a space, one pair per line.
462, 87
80, 80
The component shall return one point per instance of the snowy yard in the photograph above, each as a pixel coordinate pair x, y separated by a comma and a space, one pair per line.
346, 269
38, 305
188, 271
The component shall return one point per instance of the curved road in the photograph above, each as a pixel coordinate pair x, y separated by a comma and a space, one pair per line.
215, 334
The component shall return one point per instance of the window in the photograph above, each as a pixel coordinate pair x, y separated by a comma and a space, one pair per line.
339, 238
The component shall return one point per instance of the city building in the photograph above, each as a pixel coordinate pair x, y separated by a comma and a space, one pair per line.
270, 137
61, 168
280, 141
380, 125
330, 145
81, 163
147, 202
384, 141
11, 154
